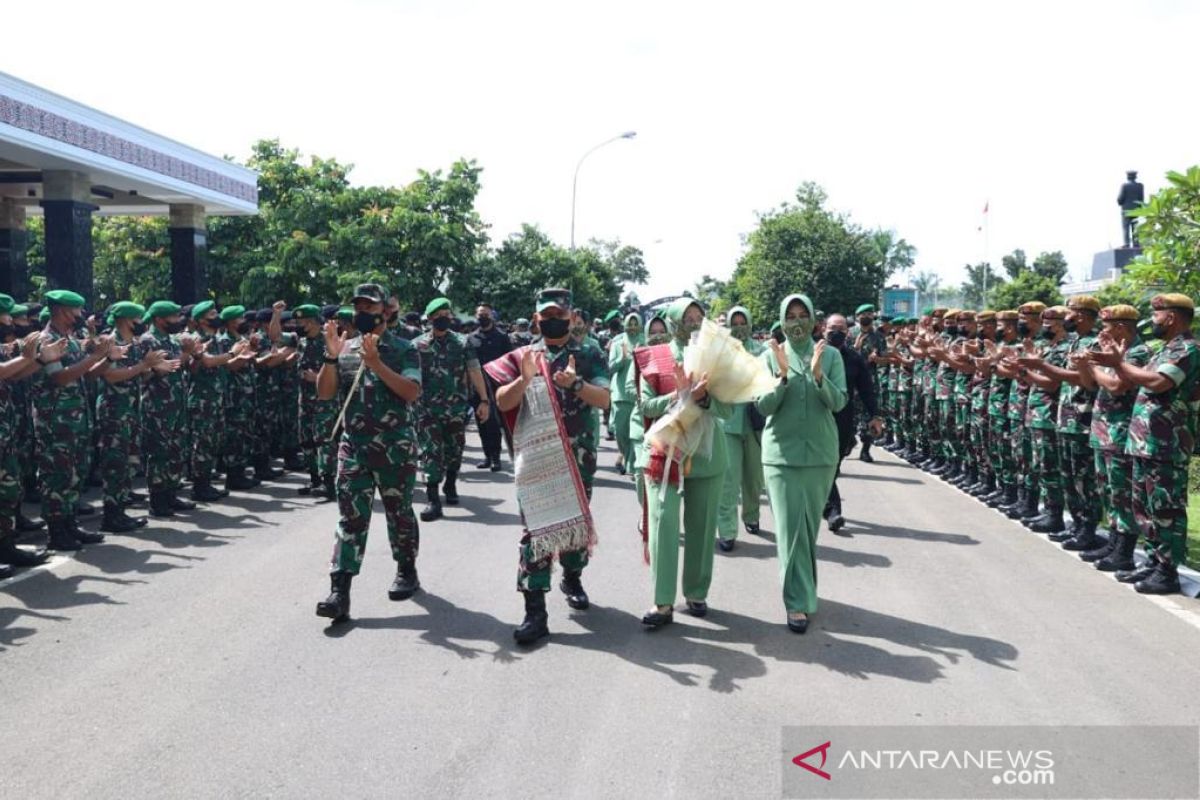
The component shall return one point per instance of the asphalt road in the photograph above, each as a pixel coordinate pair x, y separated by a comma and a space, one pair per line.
186, 661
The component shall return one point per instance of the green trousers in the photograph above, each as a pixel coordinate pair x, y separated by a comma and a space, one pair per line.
621, 414
743, 479
700, 499
798, 496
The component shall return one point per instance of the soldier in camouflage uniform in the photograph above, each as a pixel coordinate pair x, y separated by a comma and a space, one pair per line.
21, 361
961, 373
580, 377
1029, 323
60, 415
1000, 390
1161, 440
164, 408
117, 417
1111, 414
238, 401
23, 403
979, 388
282, 330
206, 400
316, 416
379, 376
1041, 417
448, 361
871, 343
265, 412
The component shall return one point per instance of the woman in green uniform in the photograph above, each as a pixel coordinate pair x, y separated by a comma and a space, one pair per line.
620, 361
800, 450
703, 478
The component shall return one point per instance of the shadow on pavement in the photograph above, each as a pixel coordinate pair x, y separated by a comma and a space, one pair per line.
858, 476
855, 527
9, 635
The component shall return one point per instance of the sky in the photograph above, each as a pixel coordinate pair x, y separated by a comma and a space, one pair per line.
912, 115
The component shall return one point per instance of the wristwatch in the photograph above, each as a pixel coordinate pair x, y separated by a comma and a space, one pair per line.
329, 360
578, 385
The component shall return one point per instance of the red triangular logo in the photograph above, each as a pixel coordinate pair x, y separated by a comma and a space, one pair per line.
823, 750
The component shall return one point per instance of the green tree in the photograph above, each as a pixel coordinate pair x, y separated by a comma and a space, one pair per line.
981, 281
1126, 291
802, 246
628, 262
709, 291
1169, 233
1027, 287
1051, 265
1014, 263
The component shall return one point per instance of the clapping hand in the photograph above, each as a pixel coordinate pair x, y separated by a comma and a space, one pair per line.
529, 366
335, 342
370, 350
53, 351
781, 359
818, 352
565, 379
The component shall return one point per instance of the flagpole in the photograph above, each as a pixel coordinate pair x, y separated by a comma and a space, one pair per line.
987, 249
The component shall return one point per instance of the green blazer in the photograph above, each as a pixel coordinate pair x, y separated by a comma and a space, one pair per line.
800, 430
654, 406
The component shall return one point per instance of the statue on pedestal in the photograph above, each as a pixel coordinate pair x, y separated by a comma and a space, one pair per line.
1132, 196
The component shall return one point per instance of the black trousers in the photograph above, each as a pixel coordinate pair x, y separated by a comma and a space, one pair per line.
845, 424
489, 434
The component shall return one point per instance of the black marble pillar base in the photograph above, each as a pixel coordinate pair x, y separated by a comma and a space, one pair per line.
14, 268
189, 265
69, 245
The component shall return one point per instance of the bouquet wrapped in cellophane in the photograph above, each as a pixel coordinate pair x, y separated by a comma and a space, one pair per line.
734, 376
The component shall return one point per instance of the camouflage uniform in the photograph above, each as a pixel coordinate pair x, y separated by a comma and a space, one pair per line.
1041, 418
1161, 439
316, 416
1000, 438
10, 466
238, 403
445, 361
874, 343
944, 398
60, 423
903, 401
206, 410
377, 450
116, 426
164, 407
1075, 454
1109, 436
1020, 436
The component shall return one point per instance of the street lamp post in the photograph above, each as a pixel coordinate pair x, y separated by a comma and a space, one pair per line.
575, 180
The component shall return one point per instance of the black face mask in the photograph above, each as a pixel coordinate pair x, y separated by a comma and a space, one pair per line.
1070, 326
441, 324
999, 336
23, 330
7, 330
836, 338
1023, 329
484, 322
1158, 331
1047, 333
555, 328
176, 327
214, 323
244, 328
951, 330
79, 324
366, 322
139, 328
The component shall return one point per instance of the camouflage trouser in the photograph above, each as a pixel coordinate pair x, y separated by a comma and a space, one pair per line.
443, 437
238, 433
947, 419
388, 465
264, 416
207, 421
163, 456
534, 576
115, 445
903, 423
63, 441
1045, 465
1020, 443
1160, 507
1114, 474
1003, 460
1079, 476
10, 489
977, 433
316, 418
933, 426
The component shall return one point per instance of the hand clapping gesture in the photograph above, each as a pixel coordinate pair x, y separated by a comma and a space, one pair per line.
818, 352
565, 379
529, 366
335, 342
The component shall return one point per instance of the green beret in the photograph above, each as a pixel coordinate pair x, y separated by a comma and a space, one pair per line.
161, 308
6, 304
65, 297
200, 309
346, 313
865, 308
927, 311
44, 314
306, 311
232, 312
610, 316
124, 310
436, 305
19, 310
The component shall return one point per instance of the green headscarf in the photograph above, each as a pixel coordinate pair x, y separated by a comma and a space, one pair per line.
639, 338
797, 334
740, 332
674, 319
656, 338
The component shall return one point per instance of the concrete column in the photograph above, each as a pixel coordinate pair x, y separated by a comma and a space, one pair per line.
189, 253
68, 211
14, 242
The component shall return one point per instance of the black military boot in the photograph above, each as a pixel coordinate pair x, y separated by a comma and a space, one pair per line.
1068, 533
485, 464
534, 625
205, 492
967, 477
328, 492
33, 492
450, 488
572, 586
236, 480
406, 583
293, 462
986, 485
61, 537
1005, 495
314, 484
135, 499
1163, 580
263, 470
1015, 509
864, 454
1085, 539
1050, 522
1120, 556
83, 509
82, 536
14, 556
178, 503
1103, 548
160, 503
115, 520
1139, 574
433, 506
337, 605
25, 524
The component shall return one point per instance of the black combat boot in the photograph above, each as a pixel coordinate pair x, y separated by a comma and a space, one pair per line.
328, 492
1102, 550
406, 583
864, 454
236, 480
1015, 509
1164, 580
314, 484
115, 520
160, 503
968, 477
433, 506
60, 536
986, 485
572, 586
293, 462
1069, 532
205, 492
1005, 495
27, 525
263, 470
1050, 522
1085, 539
178, 503
337, 605
14, 556
450, 487
1120, 556
82, 536
83, 509
534, 625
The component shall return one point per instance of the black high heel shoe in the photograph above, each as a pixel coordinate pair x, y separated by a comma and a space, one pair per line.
656, 618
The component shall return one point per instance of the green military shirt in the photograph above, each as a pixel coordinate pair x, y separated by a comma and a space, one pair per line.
116, 400
1075, 402
374, 411
444, 364
1042, 406
1161, 428
1112, 412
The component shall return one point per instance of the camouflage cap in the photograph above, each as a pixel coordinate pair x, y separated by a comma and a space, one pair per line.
372, 292
561, 298
1119, 313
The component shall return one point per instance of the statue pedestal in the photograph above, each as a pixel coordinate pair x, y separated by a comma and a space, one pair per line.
1111, 263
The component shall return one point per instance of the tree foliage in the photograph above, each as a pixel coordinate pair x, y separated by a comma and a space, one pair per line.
1169, 233
981, 281
1027, 287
